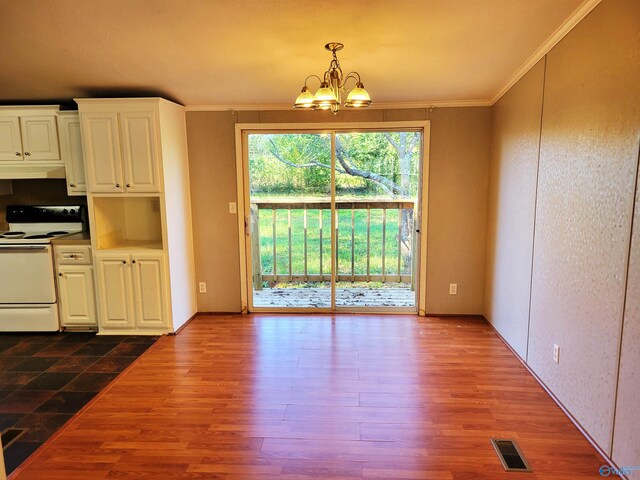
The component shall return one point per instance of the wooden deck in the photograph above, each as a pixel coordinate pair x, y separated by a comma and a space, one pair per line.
301, 397
321, 297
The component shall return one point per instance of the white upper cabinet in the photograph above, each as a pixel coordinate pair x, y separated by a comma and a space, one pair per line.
71, 152
122, 150
39, 138
139, 151
102, 152
10, 142
29, 134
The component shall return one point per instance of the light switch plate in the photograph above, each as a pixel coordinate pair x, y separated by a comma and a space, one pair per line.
232, 207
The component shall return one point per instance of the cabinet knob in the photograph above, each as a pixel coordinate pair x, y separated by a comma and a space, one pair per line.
128, 185
18, 154
133, 261
27, 153
60, 274
117, 185
124, 261
72, 185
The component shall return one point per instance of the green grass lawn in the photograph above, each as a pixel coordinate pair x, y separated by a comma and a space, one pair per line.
344, 242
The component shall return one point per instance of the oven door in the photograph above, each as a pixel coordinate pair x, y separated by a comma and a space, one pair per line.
26, 274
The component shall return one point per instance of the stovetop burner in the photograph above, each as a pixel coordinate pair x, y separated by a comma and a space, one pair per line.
40, 224
34, 237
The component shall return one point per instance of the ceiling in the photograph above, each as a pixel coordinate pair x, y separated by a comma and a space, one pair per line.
256, 53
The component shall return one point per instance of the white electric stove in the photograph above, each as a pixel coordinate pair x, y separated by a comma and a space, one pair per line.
28, 300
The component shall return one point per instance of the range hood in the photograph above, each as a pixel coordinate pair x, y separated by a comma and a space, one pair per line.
16, 172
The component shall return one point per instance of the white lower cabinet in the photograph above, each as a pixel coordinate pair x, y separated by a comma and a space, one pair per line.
115, 294
76, 286
148, 282
131, 291
77, 297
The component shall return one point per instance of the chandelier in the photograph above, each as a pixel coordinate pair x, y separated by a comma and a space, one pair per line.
332, 85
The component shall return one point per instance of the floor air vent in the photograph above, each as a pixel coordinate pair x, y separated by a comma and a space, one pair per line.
10, 435
510, 455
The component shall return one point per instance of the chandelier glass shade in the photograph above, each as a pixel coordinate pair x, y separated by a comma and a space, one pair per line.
332, 85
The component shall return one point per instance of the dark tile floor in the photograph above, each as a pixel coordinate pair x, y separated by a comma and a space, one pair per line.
45, 378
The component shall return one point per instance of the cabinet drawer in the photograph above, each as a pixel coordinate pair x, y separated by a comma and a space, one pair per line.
73, 255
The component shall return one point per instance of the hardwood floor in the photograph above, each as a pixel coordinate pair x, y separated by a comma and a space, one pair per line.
331, 397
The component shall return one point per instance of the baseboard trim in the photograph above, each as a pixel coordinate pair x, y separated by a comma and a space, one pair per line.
221, 313
580, 428
181, 327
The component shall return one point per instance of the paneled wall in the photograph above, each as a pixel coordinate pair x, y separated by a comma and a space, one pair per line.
458, 188
579, 233
512, 203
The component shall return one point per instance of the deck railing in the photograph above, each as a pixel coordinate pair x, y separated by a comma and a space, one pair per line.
393, 251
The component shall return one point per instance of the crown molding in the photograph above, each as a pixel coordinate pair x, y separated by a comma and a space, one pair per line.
375, 106
237, 108
575, 18
582, 11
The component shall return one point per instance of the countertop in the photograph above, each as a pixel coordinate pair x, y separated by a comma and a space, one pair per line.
80, 238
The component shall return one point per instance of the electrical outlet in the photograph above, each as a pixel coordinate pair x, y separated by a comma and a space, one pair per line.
453, 289
232, 207
202, 286
556, 353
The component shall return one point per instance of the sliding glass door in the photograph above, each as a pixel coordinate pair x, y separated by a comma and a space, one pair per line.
332, 219
376, 193
290, 220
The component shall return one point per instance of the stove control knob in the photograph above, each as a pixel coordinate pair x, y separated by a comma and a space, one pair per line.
65, 211
72, 211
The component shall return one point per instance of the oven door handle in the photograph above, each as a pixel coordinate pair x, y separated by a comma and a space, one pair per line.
22, 248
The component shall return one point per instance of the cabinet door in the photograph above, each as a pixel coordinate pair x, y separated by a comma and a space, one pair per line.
149, 285
77, 297
71, 146
140, 151
115, 302
102, 152
39, 138
10, 144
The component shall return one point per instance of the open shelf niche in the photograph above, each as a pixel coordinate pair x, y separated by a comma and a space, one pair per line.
124, 223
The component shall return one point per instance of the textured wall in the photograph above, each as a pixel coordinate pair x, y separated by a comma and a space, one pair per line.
515, 137
210, 139
458, 189
457, 203
626, 433
587, 175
